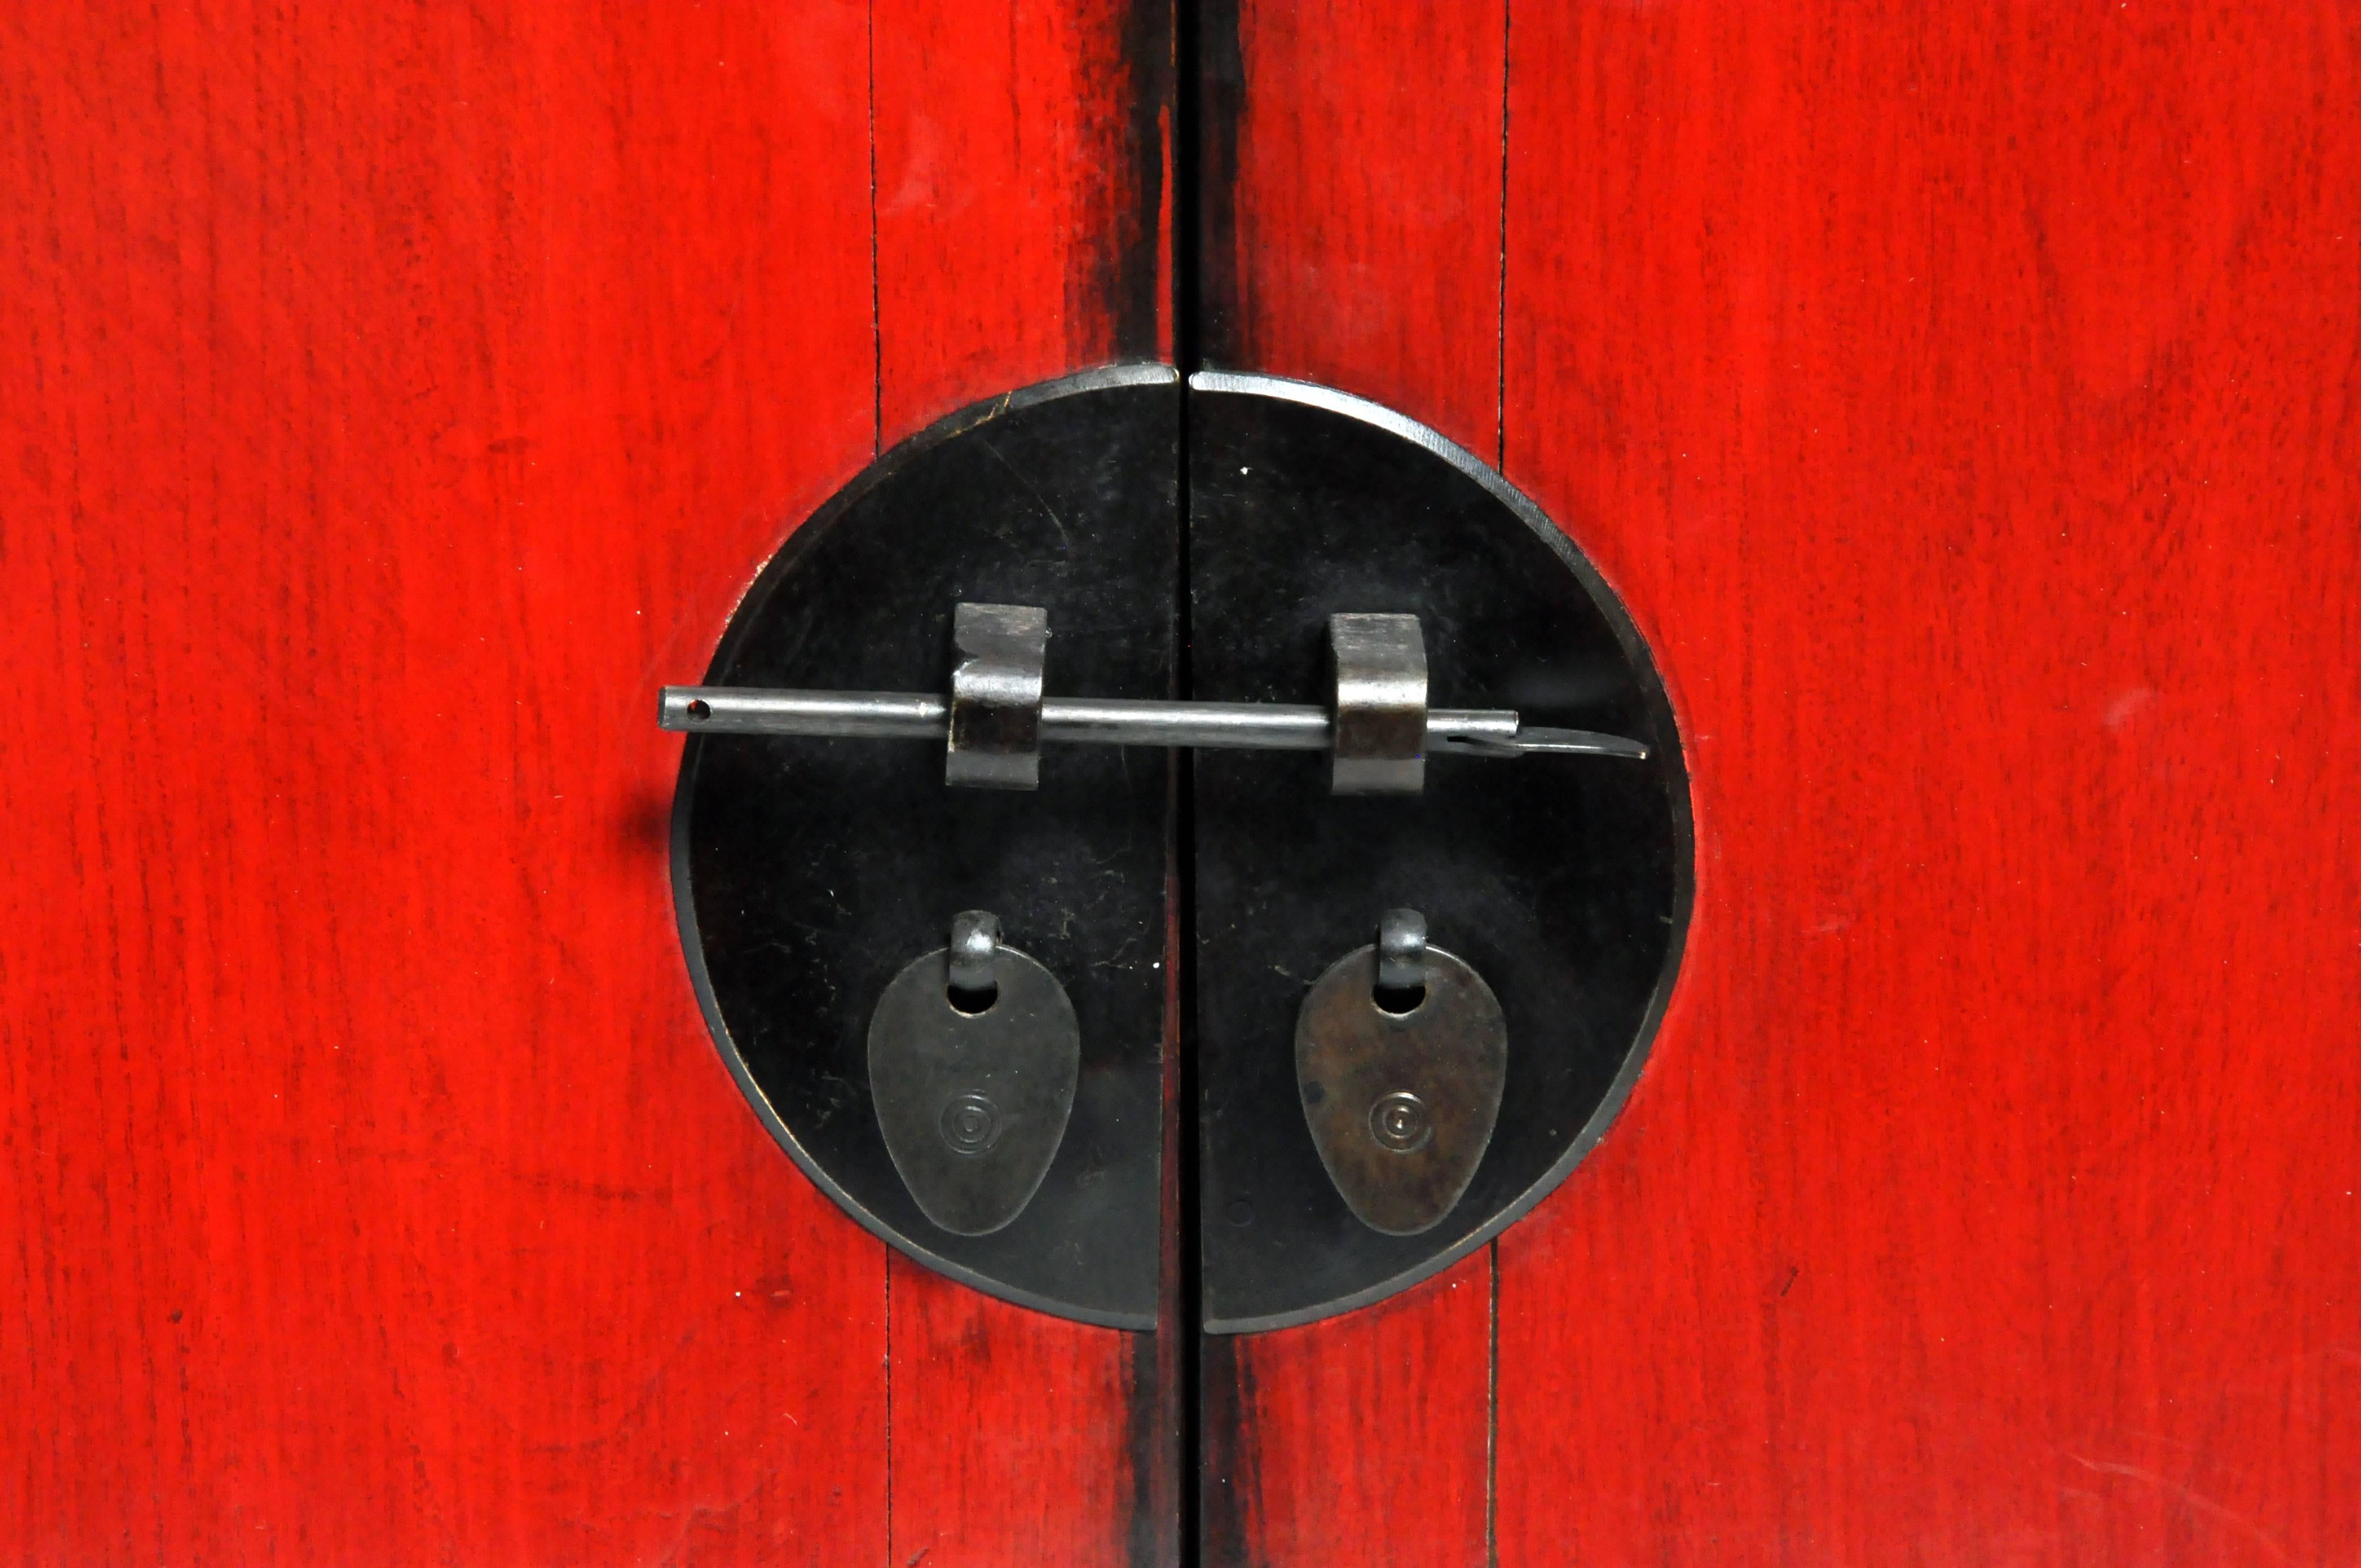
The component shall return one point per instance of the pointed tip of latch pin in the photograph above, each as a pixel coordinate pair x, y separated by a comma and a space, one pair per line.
1535, 737
1534, 740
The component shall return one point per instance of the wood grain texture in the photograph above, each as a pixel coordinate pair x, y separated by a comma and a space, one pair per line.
1360, 1439
1355, 241
1019, 1436
1964, 404
1961, 404
399, 398
1023, 197
396, 399
1353, 233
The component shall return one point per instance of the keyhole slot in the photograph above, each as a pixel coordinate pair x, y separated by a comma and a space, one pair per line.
973, 1002
1399, 1000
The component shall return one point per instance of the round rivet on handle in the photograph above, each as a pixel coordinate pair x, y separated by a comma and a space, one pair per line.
1399, 1122
970, 1123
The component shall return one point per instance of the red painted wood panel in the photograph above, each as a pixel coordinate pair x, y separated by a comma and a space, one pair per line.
400, 400
1023, 189
1024, 195
1023, 1438
1963, 402
1353, 214
1353, 238
395, 397
1365, 1439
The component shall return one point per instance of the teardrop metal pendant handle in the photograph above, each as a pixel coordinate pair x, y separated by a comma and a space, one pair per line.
1402, 1102
975, 1055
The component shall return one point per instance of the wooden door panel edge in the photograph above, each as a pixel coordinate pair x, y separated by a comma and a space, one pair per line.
1350, 236
1023, 188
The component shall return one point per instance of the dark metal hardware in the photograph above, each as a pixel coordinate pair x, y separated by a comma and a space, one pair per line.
1380, 728
1401, 951
808, 874
1381, 719
1567, 889
810, 864
1402, 1101
973, 1056
975, 943
994, 736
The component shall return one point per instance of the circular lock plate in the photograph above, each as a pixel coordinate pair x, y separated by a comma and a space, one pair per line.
809, 873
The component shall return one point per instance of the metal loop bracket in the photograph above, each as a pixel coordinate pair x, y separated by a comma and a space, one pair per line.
1380, 726
994, 738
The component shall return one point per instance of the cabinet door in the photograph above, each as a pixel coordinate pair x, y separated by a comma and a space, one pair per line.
1961, 403
396, 398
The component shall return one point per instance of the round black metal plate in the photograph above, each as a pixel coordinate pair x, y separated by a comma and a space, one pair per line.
1564, 881
808, 873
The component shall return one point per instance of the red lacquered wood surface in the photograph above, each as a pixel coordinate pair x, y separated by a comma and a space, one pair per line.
1353, 202
391, 403
1978, 447
1357, 243
396, 399
1365, 1440
1962, 403
1024, 195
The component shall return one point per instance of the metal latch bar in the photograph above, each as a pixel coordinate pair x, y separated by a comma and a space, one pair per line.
1127, 722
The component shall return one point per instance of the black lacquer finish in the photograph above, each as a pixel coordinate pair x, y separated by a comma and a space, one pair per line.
809, 871
1565, 881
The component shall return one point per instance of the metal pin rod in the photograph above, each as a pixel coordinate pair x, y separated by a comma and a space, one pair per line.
1116, 722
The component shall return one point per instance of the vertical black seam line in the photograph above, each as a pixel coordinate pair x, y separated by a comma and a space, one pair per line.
1158, 86
1131, 269
1187, 161
1188, 1146
1188, 264
889, 1404
1205, 230
1493, 1421
877, 318
1500, 402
